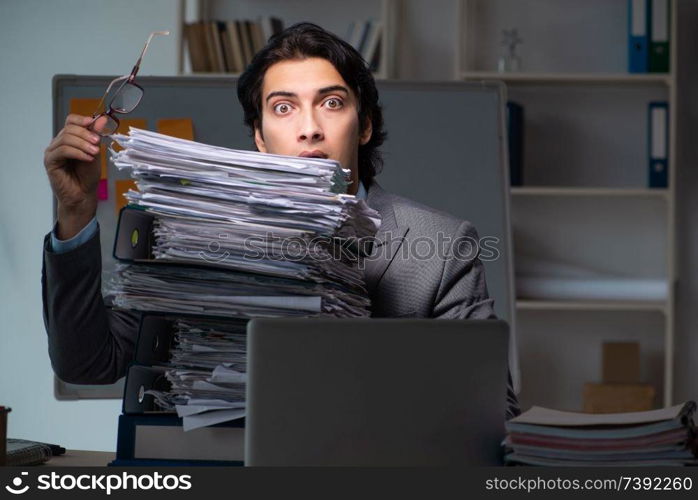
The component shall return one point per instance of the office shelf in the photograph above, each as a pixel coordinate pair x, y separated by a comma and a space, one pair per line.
583, 305
662, 79
584, 125
335, 17
588, 191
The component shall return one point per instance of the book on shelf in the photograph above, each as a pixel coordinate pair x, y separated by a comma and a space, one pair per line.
659, 36
246, 42
215, 43
237, 58
196, 47
371, 45
638, 36
227, 46
649, 28
354, 33
367, 37
515, 140
258, 39
658, 144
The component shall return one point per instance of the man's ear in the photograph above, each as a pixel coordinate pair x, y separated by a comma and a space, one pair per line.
259, 139
365, 135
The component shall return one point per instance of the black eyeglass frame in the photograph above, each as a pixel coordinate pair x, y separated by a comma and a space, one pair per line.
128, 80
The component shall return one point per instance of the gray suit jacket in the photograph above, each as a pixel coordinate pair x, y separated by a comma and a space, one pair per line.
423, 264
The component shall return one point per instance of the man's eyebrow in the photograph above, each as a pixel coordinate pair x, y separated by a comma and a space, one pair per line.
282, 93
333, 88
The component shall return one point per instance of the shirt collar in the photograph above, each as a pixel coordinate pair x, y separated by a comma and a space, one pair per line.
361, 193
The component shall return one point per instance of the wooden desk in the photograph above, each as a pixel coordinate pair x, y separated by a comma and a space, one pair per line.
81, 458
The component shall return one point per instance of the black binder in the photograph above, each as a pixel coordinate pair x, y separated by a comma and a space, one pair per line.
155, 338
139, 379
134, 235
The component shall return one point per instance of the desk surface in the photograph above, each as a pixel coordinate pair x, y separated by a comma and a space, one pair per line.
81, 458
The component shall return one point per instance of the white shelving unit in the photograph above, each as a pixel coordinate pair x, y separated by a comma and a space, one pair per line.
585, 156
334, 16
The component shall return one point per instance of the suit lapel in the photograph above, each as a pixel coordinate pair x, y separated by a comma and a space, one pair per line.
388, 239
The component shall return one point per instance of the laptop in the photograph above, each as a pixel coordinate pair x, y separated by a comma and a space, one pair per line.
375, 392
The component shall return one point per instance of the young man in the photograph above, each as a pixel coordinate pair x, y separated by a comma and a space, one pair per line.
307, 93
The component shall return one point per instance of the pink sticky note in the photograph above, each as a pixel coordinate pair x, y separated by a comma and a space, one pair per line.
102, 190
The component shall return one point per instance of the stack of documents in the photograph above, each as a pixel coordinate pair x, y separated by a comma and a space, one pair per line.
190, 290
236, 235
208, 372
549, 437
281, 223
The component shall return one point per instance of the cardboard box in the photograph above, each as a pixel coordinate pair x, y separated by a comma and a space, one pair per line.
618, 398
621, 363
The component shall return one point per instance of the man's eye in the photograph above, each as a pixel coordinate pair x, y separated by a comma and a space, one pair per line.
333, 103
282, 108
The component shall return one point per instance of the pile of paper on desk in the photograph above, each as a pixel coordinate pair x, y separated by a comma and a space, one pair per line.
252, 235
542, 436
208, 372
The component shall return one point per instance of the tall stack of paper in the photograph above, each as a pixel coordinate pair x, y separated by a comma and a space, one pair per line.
235, 235
282, 223
549, 437
208, 372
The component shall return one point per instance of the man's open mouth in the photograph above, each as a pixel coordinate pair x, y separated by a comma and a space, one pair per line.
313, 154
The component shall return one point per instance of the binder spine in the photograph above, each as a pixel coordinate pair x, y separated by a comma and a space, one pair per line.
134, 235
515, 128
658, 144
659, 36
139, 379
154, 339
638, 40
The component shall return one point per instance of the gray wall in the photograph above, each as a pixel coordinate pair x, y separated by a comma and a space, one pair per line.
37, 40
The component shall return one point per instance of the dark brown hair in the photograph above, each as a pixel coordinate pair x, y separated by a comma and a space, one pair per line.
304, 40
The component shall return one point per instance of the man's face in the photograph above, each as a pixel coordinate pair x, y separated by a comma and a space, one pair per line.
309, 110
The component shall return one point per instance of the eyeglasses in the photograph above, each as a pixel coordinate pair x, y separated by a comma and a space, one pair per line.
125, 98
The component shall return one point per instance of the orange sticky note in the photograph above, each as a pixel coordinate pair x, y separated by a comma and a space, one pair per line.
124, 124
120, 188
182, 128
83, 106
